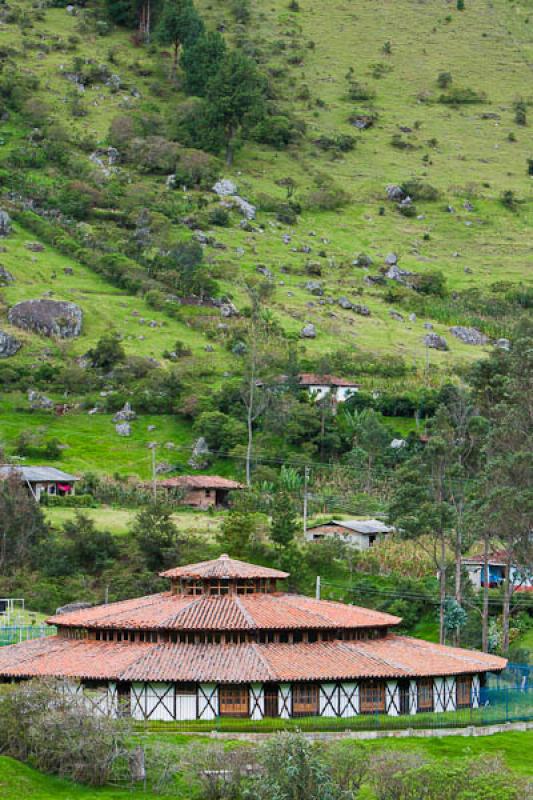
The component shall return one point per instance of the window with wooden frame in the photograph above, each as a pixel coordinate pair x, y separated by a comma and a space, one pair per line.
464, 691
424, 689
233, 700
193, 587
305, 700
372, 697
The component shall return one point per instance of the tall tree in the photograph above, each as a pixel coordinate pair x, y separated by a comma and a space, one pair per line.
255, 390
157, 537
284, 523
201, 61
22, 524
179, 25
235, 96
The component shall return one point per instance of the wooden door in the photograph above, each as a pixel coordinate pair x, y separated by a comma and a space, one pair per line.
403, 688
271, 700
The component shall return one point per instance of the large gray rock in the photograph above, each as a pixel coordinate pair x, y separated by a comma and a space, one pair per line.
39, 401
5, 223
435, 341
395, 192
200, 454
225, 188
9, 345
469, 335
315, 287
126, 414
228, 310
364, 311
503, 344
391, 259
123, 429
395, 273
48, 317
308, 331
345, 303
5, 276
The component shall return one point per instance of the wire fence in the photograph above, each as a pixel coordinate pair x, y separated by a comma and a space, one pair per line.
496, 706
14, 634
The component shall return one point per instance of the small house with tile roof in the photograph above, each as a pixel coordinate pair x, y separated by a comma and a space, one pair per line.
225, 640
202, 491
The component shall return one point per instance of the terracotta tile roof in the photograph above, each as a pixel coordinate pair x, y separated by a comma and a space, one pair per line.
391, 657
223, 567
314, 379
227, 612
498, 557
200, 482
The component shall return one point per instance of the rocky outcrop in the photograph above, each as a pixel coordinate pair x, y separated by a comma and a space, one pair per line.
308, 331
123, 429
38, 401
5, 223
9, 345
200, 456
126, 414
228, 191
5, 276
469, 335
435, 341
48, 317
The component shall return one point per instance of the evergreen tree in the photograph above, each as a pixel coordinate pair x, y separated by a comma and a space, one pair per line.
201, 60
284, 524
180, 25
235, 97
157, 537
236, 533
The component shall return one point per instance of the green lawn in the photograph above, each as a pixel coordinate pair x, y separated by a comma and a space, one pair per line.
118, 520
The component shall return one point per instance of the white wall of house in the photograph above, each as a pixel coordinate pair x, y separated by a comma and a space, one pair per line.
349, 699
257, 701
340, 393
207, 700
285, 700
328, 700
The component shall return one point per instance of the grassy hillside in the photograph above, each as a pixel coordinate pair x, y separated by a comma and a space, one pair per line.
470, 154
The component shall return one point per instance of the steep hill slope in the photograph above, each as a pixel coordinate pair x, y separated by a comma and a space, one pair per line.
329, 66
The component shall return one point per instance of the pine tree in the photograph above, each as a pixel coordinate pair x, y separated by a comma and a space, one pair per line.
180, 25
284, 524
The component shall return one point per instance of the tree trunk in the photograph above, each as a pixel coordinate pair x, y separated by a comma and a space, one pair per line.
442, 587
229, 152
507, 592
485, 611
458, 576
250, 426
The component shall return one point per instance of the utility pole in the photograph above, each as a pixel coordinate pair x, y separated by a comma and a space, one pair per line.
153, 447
317, 590
306, 481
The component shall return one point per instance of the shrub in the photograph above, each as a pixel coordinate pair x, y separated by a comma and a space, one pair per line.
444, 79
69, 501
418, 190
358, 92
327, 198
429, 283
278, 130
154, 154
462, 96
77, 199
121, 131
219, 216
520, 112
241, 10
196, 168
108, 351
509, 200
342, 143
398, 141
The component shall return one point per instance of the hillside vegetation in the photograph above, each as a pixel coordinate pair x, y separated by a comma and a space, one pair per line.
445, 97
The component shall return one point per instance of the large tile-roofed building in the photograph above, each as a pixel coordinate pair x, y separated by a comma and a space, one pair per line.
224, 640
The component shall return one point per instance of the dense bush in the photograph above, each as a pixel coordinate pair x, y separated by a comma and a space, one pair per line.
419, 190
196, 168
327, 198
462, 96
69, 501
154, 154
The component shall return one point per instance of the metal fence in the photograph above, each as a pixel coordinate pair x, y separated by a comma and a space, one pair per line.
496, 706
13, 634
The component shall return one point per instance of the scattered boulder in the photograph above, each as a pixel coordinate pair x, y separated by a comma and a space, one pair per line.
469, 335
126, 414
123, 429
225, 188
38, 401
308, 331
209, 348
412, 317
391, 259
200, 454
315, 287
265, 272
395, 193
48, 317
362, 260
5, 223
345, 303
162, 467
394, 273
34, 247
396, 315
428, 326
397, 444
364, 311
5, 276
9, 345
503, 344
435, 341
228, 310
